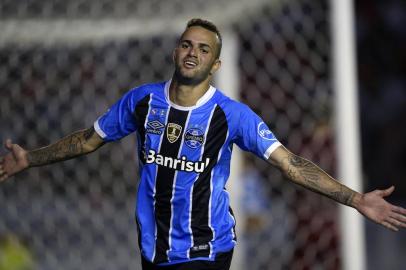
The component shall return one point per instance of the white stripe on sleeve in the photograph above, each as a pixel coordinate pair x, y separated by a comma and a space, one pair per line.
271, 148
98, 129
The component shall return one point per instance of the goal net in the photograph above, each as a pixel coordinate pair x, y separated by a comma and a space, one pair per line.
63, 63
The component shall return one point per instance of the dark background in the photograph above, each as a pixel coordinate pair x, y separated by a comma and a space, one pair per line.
381, 40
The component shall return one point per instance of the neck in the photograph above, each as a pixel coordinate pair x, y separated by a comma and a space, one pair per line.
187, 95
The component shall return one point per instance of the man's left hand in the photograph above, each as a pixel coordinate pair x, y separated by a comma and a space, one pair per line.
373, 206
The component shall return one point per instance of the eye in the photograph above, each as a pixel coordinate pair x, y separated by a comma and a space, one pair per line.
204, 50
184, 45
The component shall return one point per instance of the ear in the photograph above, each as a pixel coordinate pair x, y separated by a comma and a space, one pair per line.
174, 55
216, 66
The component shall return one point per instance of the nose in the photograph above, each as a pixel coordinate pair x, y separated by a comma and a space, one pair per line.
192, 51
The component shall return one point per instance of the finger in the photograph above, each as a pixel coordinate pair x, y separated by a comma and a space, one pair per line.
387, 192
396, 222
389, 226
399, 210
9, 144
398, 217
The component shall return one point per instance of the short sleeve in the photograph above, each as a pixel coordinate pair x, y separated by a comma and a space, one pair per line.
119, 120
253, 134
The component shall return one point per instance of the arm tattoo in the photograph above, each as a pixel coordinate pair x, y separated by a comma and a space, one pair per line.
88, 133
308, 175
66, 148
342, 196
306, 169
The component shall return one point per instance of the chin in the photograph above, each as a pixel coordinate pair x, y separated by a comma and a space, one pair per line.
189, 78
183, 78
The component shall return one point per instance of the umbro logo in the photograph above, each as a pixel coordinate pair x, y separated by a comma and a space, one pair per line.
155, 127
155, 124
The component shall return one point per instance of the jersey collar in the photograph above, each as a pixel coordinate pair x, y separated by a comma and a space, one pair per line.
206, 97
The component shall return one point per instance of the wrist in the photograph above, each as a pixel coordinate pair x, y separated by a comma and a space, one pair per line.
356, 200
26, 160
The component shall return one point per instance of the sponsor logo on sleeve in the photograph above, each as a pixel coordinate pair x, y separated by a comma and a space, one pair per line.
194, 138
264, 132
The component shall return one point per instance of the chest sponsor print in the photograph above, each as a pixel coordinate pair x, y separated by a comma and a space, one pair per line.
179, 164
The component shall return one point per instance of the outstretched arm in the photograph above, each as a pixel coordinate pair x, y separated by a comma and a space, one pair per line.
74, 145
372, 205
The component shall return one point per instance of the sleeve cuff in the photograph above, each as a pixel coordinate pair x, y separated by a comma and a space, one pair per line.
271, 148
98, 129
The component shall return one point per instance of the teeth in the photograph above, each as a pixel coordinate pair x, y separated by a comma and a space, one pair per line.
190, 63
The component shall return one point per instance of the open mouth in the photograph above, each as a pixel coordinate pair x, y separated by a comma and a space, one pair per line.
189, 64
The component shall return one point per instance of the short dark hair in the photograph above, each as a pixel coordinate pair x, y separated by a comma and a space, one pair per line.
209, 26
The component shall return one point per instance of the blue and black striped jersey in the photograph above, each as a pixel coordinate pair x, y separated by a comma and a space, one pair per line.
183, 210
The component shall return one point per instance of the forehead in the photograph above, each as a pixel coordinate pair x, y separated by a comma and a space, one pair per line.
199, 34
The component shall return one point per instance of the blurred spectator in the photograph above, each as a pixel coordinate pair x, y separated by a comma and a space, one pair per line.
14, 255
267, 224
256, 205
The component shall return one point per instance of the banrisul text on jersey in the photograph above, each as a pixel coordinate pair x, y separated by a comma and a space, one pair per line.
181, 164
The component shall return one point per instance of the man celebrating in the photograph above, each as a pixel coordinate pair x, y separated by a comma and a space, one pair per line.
185, 132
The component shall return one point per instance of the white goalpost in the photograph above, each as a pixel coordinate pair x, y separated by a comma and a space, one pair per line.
347, 129
227, 79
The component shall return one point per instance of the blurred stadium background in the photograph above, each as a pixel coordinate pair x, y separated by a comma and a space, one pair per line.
62, 63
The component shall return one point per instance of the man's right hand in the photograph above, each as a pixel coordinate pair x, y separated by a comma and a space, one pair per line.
76, 144
14, 161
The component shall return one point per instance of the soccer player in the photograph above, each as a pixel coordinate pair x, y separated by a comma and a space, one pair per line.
185, 130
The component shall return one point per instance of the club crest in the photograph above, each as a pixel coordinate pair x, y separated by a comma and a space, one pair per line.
194, 138
173, 132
